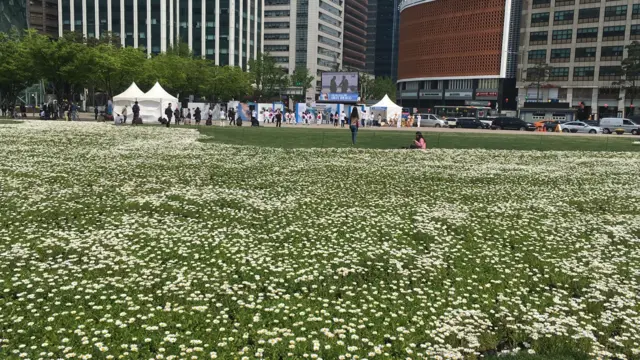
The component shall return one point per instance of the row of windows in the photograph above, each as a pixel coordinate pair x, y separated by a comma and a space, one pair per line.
276, 13
562, 17
580, 73
538, 4
607, 53
609, 33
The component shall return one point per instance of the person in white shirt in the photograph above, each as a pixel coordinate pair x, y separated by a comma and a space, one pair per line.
254, 114
419, 118
343, 119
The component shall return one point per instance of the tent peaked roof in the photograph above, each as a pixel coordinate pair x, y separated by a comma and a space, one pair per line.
385, 103
157, 92
132, 93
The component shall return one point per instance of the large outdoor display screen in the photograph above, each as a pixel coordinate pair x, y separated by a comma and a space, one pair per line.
339, 87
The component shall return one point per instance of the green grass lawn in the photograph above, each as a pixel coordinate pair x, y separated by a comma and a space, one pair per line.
384, 139
9, 121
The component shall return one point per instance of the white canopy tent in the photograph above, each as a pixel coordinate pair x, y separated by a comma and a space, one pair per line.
127, 98
387, 109
153, 103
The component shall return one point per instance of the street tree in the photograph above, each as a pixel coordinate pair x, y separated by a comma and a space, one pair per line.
267, 77
630, 73
538, 76
302, 78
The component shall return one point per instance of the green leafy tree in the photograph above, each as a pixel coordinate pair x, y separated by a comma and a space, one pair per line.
60, 62
630, 73
225, 83
366, 86
383, 86
268, 78
169, 70
17, 68
181, 49
302, 77
115, 68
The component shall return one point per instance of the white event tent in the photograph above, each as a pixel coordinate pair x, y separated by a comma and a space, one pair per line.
153, 103
127, 98
387, 108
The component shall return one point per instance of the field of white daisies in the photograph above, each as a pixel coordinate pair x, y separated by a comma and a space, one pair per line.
145, 243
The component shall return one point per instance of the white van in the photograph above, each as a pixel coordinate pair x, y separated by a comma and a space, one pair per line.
609, 125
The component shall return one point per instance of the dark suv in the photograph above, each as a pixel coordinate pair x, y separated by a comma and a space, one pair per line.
512, 123
470, 123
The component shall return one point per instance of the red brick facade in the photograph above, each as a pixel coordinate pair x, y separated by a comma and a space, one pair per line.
451, 38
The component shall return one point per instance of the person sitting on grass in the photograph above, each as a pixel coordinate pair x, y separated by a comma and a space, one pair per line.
419, 142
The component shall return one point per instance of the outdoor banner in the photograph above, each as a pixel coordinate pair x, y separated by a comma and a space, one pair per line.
263, 110
204, 108
243, 112
300, 109
278, 106
339, 86
216, 112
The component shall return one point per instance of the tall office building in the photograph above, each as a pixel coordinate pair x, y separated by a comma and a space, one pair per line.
227, 31
584, 43
355, 35
455, 52
13, 14
382, 38
43, 16
303, 33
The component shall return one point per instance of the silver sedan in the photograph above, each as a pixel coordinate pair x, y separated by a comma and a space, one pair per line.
580, 127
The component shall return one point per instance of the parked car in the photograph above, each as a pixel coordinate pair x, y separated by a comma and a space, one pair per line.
451, 122
512, 123
430, 120
488, 121
610, 125
470, 123
579, 127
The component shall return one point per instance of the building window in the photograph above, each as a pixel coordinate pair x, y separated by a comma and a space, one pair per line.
539, 4
559, 74
589, 1
611, 53
585, 54
538, 37
635, 13
613, 33
587, 35
537, 56
560, 55
563, 17
613, 13
540, 19
276, 36
588, 15
609, 73
273, 48
562, 36
583, 73
276, 13
635, 32
565, 2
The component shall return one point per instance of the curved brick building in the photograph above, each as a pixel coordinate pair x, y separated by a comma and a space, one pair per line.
458, 52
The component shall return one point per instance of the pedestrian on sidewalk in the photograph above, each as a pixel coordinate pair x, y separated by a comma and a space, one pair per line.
95, 112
